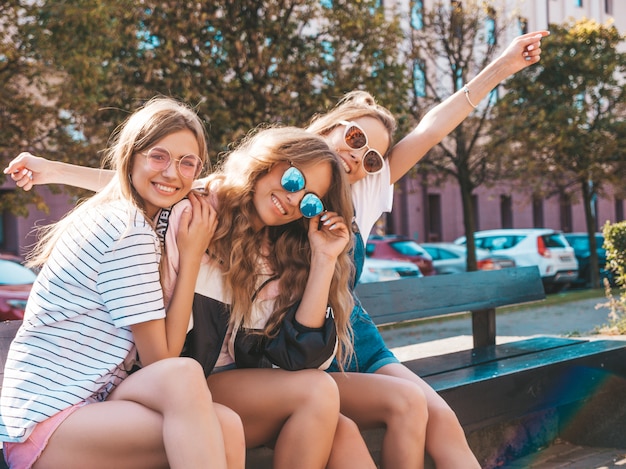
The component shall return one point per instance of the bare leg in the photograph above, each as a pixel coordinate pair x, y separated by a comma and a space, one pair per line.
400, 406
160, 416
445, 438
297, 411
349, 448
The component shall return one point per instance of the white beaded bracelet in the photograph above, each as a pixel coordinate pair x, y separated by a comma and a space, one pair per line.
465, 90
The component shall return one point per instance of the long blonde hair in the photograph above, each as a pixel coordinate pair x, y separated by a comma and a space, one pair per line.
153, 121
354, 105
238, 245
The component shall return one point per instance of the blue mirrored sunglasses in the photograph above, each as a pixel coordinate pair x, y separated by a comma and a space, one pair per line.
293, 181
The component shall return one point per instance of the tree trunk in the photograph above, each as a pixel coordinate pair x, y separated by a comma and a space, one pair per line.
469, 223
590, 221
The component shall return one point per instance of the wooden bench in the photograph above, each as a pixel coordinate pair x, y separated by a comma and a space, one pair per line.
511, 398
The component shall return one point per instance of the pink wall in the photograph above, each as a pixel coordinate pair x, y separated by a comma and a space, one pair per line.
410, 196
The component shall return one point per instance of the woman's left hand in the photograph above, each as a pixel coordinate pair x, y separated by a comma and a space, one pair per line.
328, 234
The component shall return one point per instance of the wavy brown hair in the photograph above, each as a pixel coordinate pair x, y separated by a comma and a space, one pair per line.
354, 105
158, 118
238, 246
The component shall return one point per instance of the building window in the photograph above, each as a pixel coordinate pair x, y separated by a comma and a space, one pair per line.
419, 78
417, 15
538, 221
523, 24
456, 19
506, 211
566, 214
490, 26
619, 210
434, 218
608, 7
578, 3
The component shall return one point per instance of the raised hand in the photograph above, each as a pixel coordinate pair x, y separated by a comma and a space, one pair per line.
328, 234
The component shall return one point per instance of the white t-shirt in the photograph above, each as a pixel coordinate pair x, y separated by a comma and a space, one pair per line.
75, 342
372, 196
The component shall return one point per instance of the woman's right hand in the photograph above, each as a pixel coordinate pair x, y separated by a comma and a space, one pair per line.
197, 227
28, 170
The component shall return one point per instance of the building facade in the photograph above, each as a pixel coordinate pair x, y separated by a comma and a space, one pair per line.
430, 213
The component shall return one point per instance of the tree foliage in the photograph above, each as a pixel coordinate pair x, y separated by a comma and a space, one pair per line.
240, 64
561, 124
452, 46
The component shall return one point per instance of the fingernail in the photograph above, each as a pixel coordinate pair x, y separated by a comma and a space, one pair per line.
324, 217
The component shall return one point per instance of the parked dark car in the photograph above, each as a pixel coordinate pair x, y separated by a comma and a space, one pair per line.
400, 248
15, 284
450, 258
580, 243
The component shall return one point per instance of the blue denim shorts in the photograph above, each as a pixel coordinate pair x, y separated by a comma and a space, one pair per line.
370, 351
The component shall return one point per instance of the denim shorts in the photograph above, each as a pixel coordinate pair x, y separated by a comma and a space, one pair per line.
370, 351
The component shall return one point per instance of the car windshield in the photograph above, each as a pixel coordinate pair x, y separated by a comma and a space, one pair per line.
12, 273
408, 248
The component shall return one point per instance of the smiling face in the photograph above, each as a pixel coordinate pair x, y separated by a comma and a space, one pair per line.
161, 189
378, 139
276, 206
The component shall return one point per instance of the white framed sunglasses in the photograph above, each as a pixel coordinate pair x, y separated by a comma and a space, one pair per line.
356, 138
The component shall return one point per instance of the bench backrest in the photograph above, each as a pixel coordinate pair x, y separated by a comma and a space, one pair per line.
424, 297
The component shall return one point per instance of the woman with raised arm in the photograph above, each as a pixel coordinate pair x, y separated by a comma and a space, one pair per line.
361, 131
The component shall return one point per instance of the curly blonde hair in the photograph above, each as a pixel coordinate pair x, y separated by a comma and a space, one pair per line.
156, 119
238, 245
354, 105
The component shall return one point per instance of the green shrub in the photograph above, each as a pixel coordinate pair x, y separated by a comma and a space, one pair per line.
615, 245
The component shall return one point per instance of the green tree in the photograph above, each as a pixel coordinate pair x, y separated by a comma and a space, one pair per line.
452, 44
240, 63
561, 123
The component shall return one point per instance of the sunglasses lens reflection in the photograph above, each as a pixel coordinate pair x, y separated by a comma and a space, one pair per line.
292, 180
372, 162
355, 138
311, 205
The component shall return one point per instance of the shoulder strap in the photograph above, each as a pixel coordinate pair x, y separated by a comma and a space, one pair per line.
162, 223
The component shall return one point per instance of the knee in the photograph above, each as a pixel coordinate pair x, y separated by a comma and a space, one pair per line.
184, 376
319, 390
408, 403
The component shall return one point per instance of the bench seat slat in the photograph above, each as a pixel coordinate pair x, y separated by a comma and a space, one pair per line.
528, 362
468, 358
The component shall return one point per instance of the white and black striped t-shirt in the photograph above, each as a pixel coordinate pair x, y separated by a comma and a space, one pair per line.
75, 342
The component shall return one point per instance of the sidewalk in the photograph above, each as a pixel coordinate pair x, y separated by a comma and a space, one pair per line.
426, 338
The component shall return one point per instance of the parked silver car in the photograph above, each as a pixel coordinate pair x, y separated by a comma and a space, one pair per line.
450, 258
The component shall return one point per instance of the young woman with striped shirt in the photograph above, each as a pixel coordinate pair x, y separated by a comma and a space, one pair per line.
68, 397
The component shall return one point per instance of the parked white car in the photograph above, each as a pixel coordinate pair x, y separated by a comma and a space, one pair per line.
547, 249
382, 270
